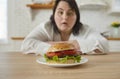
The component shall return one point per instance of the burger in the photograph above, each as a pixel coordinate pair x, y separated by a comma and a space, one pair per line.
62, 53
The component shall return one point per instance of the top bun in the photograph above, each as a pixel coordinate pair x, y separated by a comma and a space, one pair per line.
60, 47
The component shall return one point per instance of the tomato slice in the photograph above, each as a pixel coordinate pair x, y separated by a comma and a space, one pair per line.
51, 54
69, 52
61, 53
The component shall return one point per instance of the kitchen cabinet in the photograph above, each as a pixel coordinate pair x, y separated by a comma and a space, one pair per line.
114, 45
92, 4
115, 7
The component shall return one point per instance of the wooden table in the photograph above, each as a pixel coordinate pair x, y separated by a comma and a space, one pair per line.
15, 65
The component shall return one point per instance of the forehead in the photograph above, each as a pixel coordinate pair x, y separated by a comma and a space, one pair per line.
63, 5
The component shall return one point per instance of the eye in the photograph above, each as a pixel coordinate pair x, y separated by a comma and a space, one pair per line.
70, 13
60, 12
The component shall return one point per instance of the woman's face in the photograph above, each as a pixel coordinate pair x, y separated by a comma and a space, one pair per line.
65, 17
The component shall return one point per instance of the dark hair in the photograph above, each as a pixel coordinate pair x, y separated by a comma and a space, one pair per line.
73, 5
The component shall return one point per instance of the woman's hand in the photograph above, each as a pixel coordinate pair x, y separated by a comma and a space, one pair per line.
76, 44
73, 42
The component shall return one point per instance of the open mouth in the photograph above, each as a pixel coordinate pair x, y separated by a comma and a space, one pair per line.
64, 23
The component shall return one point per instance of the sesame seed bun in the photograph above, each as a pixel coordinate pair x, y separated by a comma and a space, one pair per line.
60, 47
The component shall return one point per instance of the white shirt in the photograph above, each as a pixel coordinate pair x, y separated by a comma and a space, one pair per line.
88, 40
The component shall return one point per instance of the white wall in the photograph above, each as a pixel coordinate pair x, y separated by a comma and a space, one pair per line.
22, 20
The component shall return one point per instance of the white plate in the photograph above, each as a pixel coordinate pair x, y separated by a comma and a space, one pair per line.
42, 61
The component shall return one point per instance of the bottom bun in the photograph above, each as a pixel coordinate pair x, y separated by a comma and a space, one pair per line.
69, 61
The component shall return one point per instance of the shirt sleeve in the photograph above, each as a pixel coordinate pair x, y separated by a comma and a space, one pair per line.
92, 40
34, 46
35, 41
88, 46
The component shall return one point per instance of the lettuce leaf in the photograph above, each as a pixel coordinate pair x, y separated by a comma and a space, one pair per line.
64, 59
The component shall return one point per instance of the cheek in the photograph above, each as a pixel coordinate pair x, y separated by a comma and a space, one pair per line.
57, 20
73, 21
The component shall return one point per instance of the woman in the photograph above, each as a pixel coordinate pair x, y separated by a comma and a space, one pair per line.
65, 26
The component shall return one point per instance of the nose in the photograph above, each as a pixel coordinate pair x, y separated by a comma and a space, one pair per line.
65, 16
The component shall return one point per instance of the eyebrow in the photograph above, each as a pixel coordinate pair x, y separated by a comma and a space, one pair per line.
63, 9
59, 9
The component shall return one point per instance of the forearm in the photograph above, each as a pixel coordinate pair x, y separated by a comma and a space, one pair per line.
34, 46
93, 46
